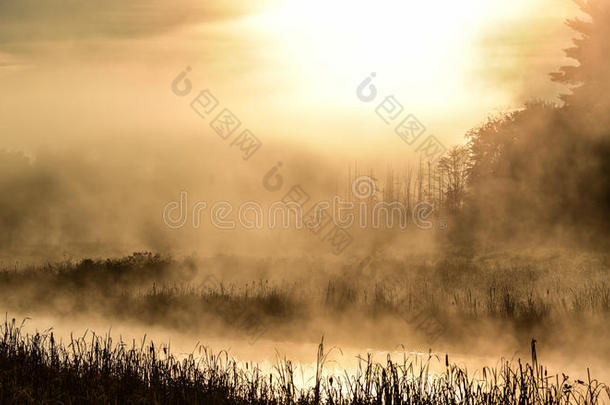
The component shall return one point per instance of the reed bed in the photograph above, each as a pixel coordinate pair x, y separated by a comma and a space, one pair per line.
523, 292
37, 369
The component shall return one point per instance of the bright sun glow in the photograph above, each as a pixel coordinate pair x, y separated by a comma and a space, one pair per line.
422, 45
344, 28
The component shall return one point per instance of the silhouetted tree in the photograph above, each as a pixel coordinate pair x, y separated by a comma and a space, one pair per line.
455, 164
589, 79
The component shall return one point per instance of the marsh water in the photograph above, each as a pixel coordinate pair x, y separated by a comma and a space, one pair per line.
342, 359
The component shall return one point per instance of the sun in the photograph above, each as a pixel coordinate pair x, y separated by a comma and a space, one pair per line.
417, 45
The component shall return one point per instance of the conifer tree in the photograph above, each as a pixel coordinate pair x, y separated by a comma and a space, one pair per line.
589, 79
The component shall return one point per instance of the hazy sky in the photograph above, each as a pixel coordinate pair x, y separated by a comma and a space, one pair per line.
288, 68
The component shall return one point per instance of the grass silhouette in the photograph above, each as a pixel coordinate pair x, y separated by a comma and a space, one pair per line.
36, 369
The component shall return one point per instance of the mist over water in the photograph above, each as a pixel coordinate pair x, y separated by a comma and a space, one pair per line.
139, 144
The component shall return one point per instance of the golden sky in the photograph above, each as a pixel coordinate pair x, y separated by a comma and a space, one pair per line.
287, 68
